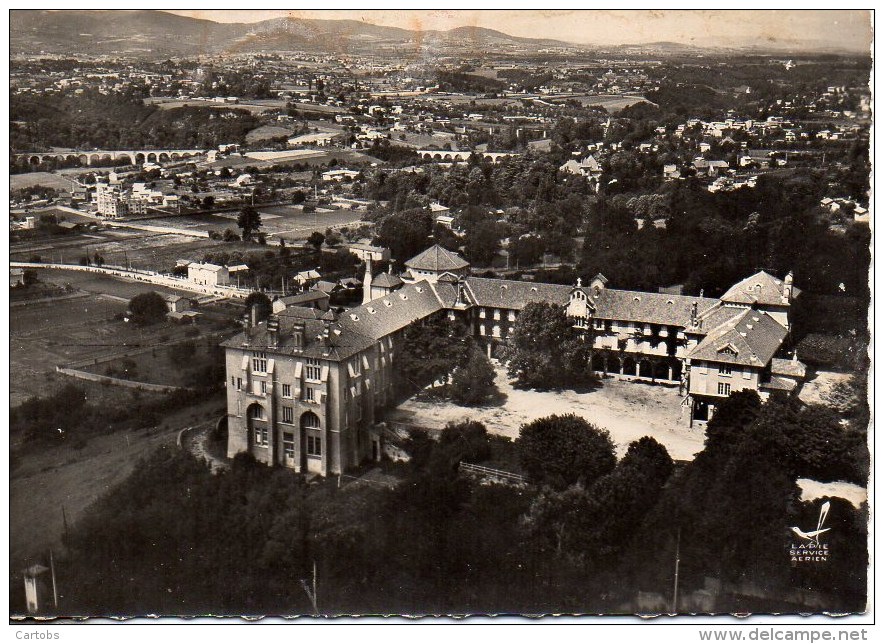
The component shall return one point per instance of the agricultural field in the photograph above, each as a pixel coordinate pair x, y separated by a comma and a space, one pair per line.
254, 106
78, 329
292, 223
611, 102
166, 364
47, 179
144, 250
267, 132
44, 335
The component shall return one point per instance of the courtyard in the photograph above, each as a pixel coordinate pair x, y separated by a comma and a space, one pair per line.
628, 410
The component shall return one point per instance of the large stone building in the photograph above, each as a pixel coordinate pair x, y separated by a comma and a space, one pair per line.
306, 389
113, 202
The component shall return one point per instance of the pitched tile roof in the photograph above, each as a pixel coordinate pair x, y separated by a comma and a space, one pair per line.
647, 308
306, 296
386, 280
343, 343
302, 312
777, 383
512, 294
437, 259
751, 338
785, 367
386, 315
761, 288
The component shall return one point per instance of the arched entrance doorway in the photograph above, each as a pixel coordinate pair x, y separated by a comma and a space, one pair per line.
311, 443
256, 425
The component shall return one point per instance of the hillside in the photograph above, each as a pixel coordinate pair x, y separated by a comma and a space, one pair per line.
157, 33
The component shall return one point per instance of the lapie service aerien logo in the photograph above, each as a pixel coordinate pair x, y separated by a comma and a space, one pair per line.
811, 547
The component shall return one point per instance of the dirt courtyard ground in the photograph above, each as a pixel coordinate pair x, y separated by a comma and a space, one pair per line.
628, 410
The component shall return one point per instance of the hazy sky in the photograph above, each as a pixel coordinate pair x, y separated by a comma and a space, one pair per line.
845, 29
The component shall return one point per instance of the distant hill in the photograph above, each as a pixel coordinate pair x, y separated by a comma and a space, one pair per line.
157, 33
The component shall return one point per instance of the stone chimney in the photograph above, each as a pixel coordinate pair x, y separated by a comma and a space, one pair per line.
695, 320
787, 289
273, 331
325, 339
253, 316
366, 282
298, 335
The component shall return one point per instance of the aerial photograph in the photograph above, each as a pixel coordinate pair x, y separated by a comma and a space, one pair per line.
327, 313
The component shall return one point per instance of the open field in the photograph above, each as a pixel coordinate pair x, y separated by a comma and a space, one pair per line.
318, 108
267, 132
44, 335
611, 102
292, 223
141, 249
48, 179
105, 285
158, 365
254, 106
628, 410
289, 222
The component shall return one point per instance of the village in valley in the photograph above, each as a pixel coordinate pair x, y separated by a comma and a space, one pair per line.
450, 323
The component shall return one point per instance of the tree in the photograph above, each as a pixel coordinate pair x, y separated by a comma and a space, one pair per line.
299, 197
333, 238
473, 382
405, 233
563, 450
430, 352
208, 202
316, 239
483, 242
545, 350
148, 308
262, 302
249, 221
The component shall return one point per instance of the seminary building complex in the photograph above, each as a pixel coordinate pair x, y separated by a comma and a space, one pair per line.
306, 388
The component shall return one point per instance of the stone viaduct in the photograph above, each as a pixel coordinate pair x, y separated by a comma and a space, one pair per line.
104, 157
463, 155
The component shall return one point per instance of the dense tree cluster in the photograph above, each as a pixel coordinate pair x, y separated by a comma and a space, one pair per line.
118, 122
734, 503
68, 416
175, 539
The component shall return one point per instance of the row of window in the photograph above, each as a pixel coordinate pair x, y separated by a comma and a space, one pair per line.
511, 315
312, 366
495, 331
308, 393
313, 448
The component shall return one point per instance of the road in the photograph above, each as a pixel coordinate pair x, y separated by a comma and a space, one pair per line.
194, 439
